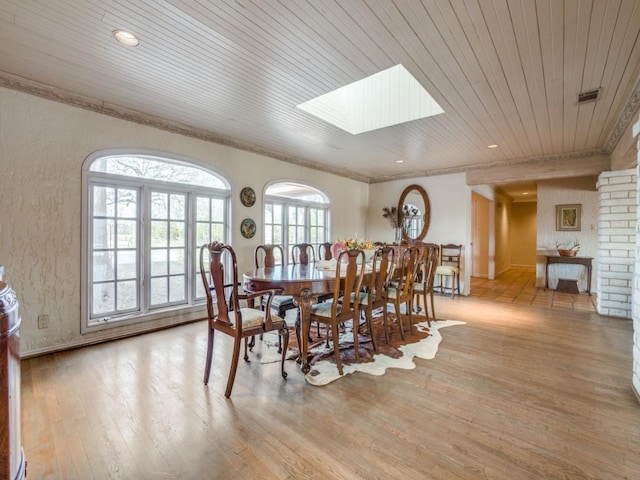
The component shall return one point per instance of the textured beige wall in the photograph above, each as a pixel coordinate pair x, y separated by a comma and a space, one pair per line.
523, 233
43, 146
450, 200
502, 234
561, 192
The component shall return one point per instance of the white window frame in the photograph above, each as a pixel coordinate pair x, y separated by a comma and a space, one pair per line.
287, 203
193, 305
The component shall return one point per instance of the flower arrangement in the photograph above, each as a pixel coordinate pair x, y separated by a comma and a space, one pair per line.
351, 243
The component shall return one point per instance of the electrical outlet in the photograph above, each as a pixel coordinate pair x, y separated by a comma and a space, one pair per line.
43, 321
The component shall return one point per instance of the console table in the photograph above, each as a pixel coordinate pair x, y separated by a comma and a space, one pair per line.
586, 261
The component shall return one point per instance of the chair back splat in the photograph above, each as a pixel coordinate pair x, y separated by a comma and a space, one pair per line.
267, 256
303, 254
424, 288
344, 305
376, 295
450, 256
402, 293
230, 317
324, 251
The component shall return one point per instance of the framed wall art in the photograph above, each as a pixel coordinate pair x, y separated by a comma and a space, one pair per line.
247, 196
568, 217
248, 228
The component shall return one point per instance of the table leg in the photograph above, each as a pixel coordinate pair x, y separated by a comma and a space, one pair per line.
304, 301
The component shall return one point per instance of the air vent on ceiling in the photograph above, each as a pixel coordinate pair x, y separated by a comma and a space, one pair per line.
588, 96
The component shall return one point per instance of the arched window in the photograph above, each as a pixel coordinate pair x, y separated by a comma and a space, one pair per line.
145, 217
295, 213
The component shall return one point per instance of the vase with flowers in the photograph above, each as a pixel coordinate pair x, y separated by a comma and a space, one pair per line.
354, 243
400, 219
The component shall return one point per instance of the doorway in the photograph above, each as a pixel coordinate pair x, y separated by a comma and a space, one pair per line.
480, 227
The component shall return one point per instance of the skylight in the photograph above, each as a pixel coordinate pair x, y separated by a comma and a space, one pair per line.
389, 97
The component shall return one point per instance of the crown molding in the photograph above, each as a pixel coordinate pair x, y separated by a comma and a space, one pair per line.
629, 113
7, 80
48, 92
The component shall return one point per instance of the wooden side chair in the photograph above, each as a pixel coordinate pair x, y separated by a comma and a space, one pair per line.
228, 317
303, 254
424, 288
266, 256
348, 281
324, 251
402, 292
375, 295
450, 255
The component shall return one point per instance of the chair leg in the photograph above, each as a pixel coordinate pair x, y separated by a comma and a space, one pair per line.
369, 318
336, 347
298, 337
458, 282
234, 366
453, 290
284, 334
207, 365
433, 309
356, 341
410, 308
386, 325
246, 344
399, 319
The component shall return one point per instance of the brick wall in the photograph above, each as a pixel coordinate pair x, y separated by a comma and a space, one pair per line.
636, 285
617, 219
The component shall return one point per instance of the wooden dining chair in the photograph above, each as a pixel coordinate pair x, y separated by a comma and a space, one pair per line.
450, 255
374, 296
303, 254
324, 251
266, 256
402, 291
424, 287
228, 316
348, 281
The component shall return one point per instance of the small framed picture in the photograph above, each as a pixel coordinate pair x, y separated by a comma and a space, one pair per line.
568, 217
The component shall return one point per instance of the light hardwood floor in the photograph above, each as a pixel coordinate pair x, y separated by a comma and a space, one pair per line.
519, 392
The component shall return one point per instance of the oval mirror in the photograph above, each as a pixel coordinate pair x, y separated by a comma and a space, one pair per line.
414, 203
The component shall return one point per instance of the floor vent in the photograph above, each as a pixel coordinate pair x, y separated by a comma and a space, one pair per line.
589, 96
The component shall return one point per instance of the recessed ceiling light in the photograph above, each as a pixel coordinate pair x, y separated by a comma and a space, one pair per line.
492, 146
399, 161
126, 38
525, 193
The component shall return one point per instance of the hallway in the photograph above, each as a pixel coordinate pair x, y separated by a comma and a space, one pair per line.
518, 285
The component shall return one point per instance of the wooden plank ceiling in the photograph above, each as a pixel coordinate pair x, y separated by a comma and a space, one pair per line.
506, 72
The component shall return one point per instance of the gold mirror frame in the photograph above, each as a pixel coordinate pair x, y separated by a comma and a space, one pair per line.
426, 213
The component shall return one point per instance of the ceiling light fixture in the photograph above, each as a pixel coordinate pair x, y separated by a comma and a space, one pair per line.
399, 161
492, 146
126, 38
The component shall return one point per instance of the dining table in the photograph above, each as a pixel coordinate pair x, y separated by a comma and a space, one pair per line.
304, 283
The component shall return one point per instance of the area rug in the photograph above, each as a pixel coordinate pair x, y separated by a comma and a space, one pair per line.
423, 344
